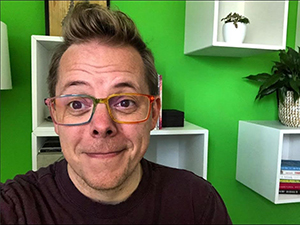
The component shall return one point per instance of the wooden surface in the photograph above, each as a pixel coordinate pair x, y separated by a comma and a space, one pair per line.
57, 12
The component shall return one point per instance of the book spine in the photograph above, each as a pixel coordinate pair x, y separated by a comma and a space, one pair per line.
290, 164
290, 168
159, 120
289, 176
160, 95
289, 186
289, 192
289, 181
290, 172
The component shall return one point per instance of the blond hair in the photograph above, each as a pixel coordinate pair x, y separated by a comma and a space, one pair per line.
86, 22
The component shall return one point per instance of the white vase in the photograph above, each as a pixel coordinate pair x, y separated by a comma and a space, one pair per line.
234, 35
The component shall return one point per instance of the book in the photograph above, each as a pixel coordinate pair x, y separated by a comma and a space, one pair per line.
297, 192
289, 181
290, 176
159, 120
289, 186
290, 172
51, 145
290, 164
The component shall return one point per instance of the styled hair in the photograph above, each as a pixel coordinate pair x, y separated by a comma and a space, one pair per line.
87, 22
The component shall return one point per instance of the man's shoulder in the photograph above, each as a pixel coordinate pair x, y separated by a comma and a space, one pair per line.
192, 195
31, 178
177, 178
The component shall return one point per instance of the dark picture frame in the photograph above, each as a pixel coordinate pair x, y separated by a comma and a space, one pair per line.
56, 10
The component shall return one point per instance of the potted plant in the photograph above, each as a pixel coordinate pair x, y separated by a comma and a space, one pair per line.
234, 27
285, 81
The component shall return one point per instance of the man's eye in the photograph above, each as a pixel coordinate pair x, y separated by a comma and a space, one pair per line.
76, 105
126, 103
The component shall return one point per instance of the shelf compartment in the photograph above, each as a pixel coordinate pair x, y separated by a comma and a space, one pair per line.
42, 48
261, 147
266, 32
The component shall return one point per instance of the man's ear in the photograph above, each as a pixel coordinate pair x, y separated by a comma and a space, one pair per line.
55, 125
155, 112
56, 129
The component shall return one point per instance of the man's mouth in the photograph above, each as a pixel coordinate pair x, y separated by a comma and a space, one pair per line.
104, 154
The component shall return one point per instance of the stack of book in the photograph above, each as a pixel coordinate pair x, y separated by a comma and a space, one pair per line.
159, 121
289, 177
52, 144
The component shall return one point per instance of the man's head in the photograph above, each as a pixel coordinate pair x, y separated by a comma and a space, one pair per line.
103, 55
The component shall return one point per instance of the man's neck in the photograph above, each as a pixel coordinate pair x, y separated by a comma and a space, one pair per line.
109, 196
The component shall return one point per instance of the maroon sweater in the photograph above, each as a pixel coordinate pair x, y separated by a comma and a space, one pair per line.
164, 196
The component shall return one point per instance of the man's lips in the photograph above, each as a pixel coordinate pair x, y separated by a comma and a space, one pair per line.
104, 154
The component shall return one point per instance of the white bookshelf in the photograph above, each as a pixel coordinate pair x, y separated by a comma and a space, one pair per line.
266, 32
180, 147
261, 147
42, 48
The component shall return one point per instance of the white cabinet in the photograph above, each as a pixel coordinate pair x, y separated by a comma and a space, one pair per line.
180, 147
261, 147
266, 32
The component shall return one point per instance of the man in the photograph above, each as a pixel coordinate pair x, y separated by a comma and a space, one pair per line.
104, 103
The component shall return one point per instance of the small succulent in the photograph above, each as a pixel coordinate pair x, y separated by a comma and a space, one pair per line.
285, 76
235, 18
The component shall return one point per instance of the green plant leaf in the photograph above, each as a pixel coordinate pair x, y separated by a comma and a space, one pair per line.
294, 86
264, 92
261, 77
235, 17
271, 81
292, 53
281, 94
285, 76
296, 96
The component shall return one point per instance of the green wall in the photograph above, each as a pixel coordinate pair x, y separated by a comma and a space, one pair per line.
210, 90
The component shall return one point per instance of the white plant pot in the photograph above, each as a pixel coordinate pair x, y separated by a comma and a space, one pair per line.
232, 34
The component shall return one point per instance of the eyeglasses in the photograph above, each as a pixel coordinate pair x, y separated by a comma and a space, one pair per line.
72, 110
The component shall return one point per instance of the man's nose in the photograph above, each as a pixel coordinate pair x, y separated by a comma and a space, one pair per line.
102, 124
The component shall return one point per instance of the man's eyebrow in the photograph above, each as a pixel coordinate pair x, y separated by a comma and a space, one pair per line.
125, 84
74, 83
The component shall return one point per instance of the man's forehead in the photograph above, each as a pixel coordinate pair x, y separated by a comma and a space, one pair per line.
123, 66
99, 54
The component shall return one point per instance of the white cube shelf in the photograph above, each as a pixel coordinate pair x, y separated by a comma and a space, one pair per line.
42, 48
181, 147
266, 32
261, 147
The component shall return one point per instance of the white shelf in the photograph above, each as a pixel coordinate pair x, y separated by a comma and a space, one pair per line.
261, 147
42, 48
266, 31
180, 147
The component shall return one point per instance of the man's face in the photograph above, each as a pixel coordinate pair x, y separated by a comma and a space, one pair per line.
103, 154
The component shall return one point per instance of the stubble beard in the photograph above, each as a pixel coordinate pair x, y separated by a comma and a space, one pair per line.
117, 184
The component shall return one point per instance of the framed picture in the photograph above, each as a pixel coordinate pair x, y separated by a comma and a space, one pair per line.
56, 11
